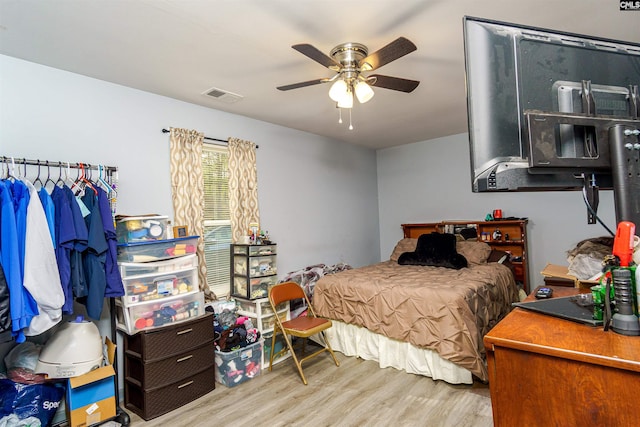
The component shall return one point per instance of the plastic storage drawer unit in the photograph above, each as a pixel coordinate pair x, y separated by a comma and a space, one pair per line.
174, 264
157, 250
254, 288
156, 286
156, 313
253, 270
264, 307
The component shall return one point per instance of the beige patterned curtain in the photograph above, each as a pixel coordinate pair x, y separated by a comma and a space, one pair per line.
243, 187
187, 191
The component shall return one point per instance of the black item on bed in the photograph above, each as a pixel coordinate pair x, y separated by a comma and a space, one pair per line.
435, 249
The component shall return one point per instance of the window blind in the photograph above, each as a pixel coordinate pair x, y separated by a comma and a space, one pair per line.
217, 223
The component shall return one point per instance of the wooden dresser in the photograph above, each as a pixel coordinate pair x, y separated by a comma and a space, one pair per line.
168, 367
546, 371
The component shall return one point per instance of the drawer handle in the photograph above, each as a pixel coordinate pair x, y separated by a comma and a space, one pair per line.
185, 384
185, 331
182, 359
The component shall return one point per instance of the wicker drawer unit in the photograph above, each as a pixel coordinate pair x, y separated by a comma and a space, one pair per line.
168, 367
159, 343
155, 374
158, 401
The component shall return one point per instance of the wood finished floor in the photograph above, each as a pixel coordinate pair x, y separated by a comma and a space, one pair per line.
358, 393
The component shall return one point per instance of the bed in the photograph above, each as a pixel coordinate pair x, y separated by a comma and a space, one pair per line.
424, 319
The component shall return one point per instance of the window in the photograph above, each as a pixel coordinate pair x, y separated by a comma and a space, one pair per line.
217, 222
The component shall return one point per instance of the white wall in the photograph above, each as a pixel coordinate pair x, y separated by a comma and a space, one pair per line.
431, 181
318, 197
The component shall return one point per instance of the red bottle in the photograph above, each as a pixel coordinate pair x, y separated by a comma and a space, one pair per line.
623, 242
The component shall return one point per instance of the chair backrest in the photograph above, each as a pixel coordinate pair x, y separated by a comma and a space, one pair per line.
286, 291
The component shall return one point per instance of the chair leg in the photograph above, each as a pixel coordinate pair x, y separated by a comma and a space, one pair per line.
295, 358
273, 346
329, 349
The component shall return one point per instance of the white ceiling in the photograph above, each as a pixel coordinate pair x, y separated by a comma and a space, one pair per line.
182, 48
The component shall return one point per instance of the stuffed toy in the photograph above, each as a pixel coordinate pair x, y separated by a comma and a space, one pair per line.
435, 249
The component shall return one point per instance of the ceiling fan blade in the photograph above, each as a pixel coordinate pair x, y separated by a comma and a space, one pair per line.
394, 50
302, 84
393, 83
315, 54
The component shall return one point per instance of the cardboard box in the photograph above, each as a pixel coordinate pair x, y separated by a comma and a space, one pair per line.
91, 398
562, 273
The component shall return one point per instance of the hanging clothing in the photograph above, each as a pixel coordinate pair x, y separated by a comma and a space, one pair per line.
114, 286
5, 309
20, 197
22, 305
65, 235
94, 258
41, 277
49, 212
78, 281
54, 249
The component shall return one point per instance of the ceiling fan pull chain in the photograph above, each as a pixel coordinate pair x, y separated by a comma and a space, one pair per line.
340, 115
350, 125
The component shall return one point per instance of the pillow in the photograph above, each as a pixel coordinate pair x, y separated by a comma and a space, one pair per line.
435, 249
404, 245
474, 252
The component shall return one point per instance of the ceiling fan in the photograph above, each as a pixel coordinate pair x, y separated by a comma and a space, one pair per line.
349, 61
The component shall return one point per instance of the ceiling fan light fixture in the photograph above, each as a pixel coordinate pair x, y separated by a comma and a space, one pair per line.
346, 101
364, 93
338, 90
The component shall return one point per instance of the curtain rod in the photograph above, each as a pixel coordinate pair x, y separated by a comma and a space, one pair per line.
222, 141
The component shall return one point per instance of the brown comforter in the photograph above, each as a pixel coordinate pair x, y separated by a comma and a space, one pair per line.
438, 308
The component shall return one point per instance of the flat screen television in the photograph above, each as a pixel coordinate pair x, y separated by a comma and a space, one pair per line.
512, 69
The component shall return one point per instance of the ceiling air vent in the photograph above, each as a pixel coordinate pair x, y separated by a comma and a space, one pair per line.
223, 95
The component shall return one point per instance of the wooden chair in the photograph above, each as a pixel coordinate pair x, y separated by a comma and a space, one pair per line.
302, 327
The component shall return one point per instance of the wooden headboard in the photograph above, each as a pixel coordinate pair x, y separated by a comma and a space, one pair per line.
416, 230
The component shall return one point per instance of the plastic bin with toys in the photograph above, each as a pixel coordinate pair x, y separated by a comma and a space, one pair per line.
141, 228
238, 345
238, 366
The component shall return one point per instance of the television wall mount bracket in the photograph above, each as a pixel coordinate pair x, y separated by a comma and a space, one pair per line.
617, 143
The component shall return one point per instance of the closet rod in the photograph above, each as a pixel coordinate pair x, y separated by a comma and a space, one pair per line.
22, 161
223, 142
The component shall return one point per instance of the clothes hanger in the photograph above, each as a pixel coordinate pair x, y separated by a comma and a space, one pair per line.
75, 186
38, 180
61, 182
4, 165
102, 181
23, 177
87, 182
11, 169
48, 180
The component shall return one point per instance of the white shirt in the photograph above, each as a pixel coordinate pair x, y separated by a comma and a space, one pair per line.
41, 276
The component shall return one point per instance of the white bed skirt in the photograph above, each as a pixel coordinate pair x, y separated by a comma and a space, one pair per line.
357, 341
